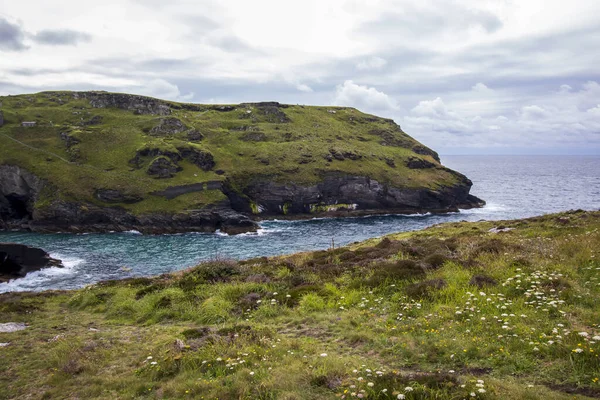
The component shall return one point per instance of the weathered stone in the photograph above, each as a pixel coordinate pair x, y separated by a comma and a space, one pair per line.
19, 190
162, 167
419, 163
137, 104
95, 120
16, 260
168, 126
194, 136
201, 158
116, 196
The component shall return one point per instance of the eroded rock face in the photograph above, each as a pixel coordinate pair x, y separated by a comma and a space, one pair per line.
349, 193
162, 167
419, 163
201, 158
17, 260
137, 104
168, 126
19, 190
116, 196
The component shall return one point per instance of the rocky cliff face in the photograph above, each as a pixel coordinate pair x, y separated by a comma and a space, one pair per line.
19, 191
350, 195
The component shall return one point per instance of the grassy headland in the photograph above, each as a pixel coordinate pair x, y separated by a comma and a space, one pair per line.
123, 151
486, 310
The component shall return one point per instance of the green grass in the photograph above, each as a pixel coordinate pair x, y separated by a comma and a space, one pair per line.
447, 311
248, 146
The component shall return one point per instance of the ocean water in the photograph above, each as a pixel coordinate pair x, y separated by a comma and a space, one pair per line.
513, 186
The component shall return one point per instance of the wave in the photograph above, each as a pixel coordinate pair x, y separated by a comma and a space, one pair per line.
38, 280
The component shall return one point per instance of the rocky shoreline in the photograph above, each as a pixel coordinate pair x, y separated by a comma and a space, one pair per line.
17, 260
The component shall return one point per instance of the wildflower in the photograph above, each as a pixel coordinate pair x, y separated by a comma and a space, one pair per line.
288, 295
153, 363
596, 338
481, 390
323, 354
251, 373
473, 394
370, 384
149, 358
584, 334
401, 397
408, 389
577, 350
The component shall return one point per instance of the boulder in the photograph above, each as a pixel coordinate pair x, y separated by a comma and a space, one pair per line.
419, 163
168, 126
162, 167
201, 158
116, 196
17, 260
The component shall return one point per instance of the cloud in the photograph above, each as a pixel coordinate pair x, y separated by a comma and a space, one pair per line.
365, 98
304, 88
61, 37
534, 112
434, 108
12, 36
162, 89
372, 63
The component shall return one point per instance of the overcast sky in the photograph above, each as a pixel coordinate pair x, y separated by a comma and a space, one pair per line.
462, 76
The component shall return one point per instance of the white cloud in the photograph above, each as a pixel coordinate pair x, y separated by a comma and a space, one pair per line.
372, 63
534, 112
362, 97
163, 90
304, 88
431, 108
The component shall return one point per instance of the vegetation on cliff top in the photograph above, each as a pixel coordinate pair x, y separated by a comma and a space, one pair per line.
487, 310
85, 141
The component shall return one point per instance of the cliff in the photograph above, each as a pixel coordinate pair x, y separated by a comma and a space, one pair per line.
98, 161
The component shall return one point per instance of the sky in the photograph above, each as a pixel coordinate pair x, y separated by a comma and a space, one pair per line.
461, 76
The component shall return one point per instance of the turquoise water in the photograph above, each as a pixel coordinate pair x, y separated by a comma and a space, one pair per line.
513, 186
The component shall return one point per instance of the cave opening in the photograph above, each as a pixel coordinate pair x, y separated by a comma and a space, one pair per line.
18, 207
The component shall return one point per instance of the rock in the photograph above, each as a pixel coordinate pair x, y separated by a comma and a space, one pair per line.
1, 118
137, 104
351, 195
95, 120
419, 163
137, 161
194, 136
19, 190
254, 137
168, 126
201, 158
12, 327
116, 196
162, 167
16, 260
69, 140
426, 151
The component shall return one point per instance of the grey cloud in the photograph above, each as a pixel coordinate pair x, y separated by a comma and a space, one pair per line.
12, 36
61, 37
415, 22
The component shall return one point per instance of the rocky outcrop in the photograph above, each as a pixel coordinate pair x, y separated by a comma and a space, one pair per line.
168, 126
354, 195
17, 260
116, 196
162, 167
138, 104
19, 190
419, 163
63, 216
202, 159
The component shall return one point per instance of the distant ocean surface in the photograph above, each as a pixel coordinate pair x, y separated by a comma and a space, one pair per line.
513, 186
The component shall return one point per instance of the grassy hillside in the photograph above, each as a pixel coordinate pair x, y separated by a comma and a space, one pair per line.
487, 310
94, 140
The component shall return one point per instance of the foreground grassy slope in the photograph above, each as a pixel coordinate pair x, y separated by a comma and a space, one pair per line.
451, 312
79, 147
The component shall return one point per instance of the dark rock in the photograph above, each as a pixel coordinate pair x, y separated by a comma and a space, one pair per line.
137, 104
341, 156
269, 111
419, 163
162, 167
95, 120
69, 140
168, 126
1, 118
362, 196
392, 138
390, 162
482, 281
116, 196
426, 151
16, 260
194, 136
201, 158
175, 191
223, 108
219, 172
137, 161
19, 190
254, 137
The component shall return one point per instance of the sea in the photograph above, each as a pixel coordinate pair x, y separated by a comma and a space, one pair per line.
513, 187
